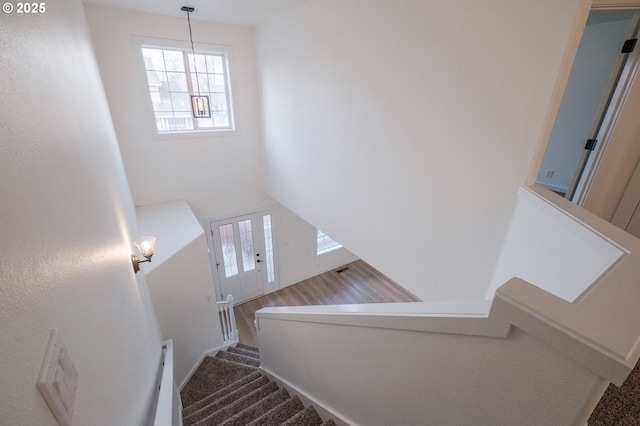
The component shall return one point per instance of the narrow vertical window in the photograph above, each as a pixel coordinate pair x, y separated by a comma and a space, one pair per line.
268, 246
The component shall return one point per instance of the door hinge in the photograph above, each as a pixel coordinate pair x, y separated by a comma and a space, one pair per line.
591, 144
629, 45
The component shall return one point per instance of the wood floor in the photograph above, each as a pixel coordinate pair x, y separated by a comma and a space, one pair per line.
357, 283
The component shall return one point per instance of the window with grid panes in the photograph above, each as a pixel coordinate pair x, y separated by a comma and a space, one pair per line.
325, 244
171, 75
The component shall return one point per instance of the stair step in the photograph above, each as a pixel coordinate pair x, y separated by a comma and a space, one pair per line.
229, 389
219, 394
240, 359
247, 347
211, 404
244, 352
254, 411
212, 375
307, 417
280, 413
239, 405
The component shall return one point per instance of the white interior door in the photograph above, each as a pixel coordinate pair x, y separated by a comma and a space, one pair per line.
238, 256
607, 118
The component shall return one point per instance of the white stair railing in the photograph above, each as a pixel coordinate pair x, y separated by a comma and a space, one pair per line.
227, 320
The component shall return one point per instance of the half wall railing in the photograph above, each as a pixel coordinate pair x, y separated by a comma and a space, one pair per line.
527, 355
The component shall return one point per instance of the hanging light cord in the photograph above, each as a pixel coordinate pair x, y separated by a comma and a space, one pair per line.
193, 51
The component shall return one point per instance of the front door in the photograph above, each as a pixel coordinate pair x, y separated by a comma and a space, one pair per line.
238, 256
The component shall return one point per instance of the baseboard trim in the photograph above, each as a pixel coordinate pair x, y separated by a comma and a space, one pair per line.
323, 410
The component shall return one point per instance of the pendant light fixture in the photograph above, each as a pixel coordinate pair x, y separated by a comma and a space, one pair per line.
200, 107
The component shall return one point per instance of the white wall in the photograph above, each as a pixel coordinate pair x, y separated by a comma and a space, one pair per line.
404, 128
67, 228
180, 283
423, 378
553, 251
217, 176
297, 245
533, 358
594, 63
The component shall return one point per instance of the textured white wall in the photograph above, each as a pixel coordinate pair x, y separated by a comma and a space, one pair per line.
296, 243
404, 128
217, 176
180, 283
456, 379
535, 359
67, 223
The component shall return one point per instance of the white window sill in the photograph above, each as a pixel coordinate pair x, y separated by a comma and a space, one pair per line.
197, 134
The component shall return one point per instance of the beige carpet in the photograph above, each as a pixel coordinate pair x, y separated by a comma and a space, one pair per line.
619, 406
230, 390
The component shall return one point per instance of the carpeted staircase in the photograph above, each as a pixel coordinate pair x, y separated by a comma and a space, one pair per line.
229, 389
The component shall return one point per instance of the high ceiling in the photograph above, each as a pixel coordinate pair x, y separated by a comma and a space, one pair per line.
239, 12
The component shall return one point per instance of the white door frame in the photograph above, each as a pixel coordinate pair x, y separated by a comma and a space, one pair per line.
606, 120
245, 264
268, 286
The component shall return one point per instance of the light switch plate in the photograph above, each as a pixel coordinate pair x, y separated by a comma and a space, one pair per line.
58, 379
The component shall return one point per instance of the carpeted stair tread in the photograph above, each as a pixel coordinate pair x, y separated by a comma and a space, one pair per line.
307, 417
238, 405
254, 411
212, 375
216, 404
221, 393
280, 413
244, 352
619, 406
247, 347
240, 359
229, 389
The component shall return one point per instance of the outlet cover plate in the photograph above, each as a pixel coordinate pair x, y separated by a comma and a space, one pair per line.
58, 379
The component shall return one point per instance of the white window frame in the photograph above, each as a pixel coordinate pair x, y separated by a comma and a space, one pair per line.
200, 48
328, 250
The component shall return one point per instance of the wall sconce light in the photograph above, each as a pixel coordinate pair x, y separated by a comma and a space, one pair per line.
145, 245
